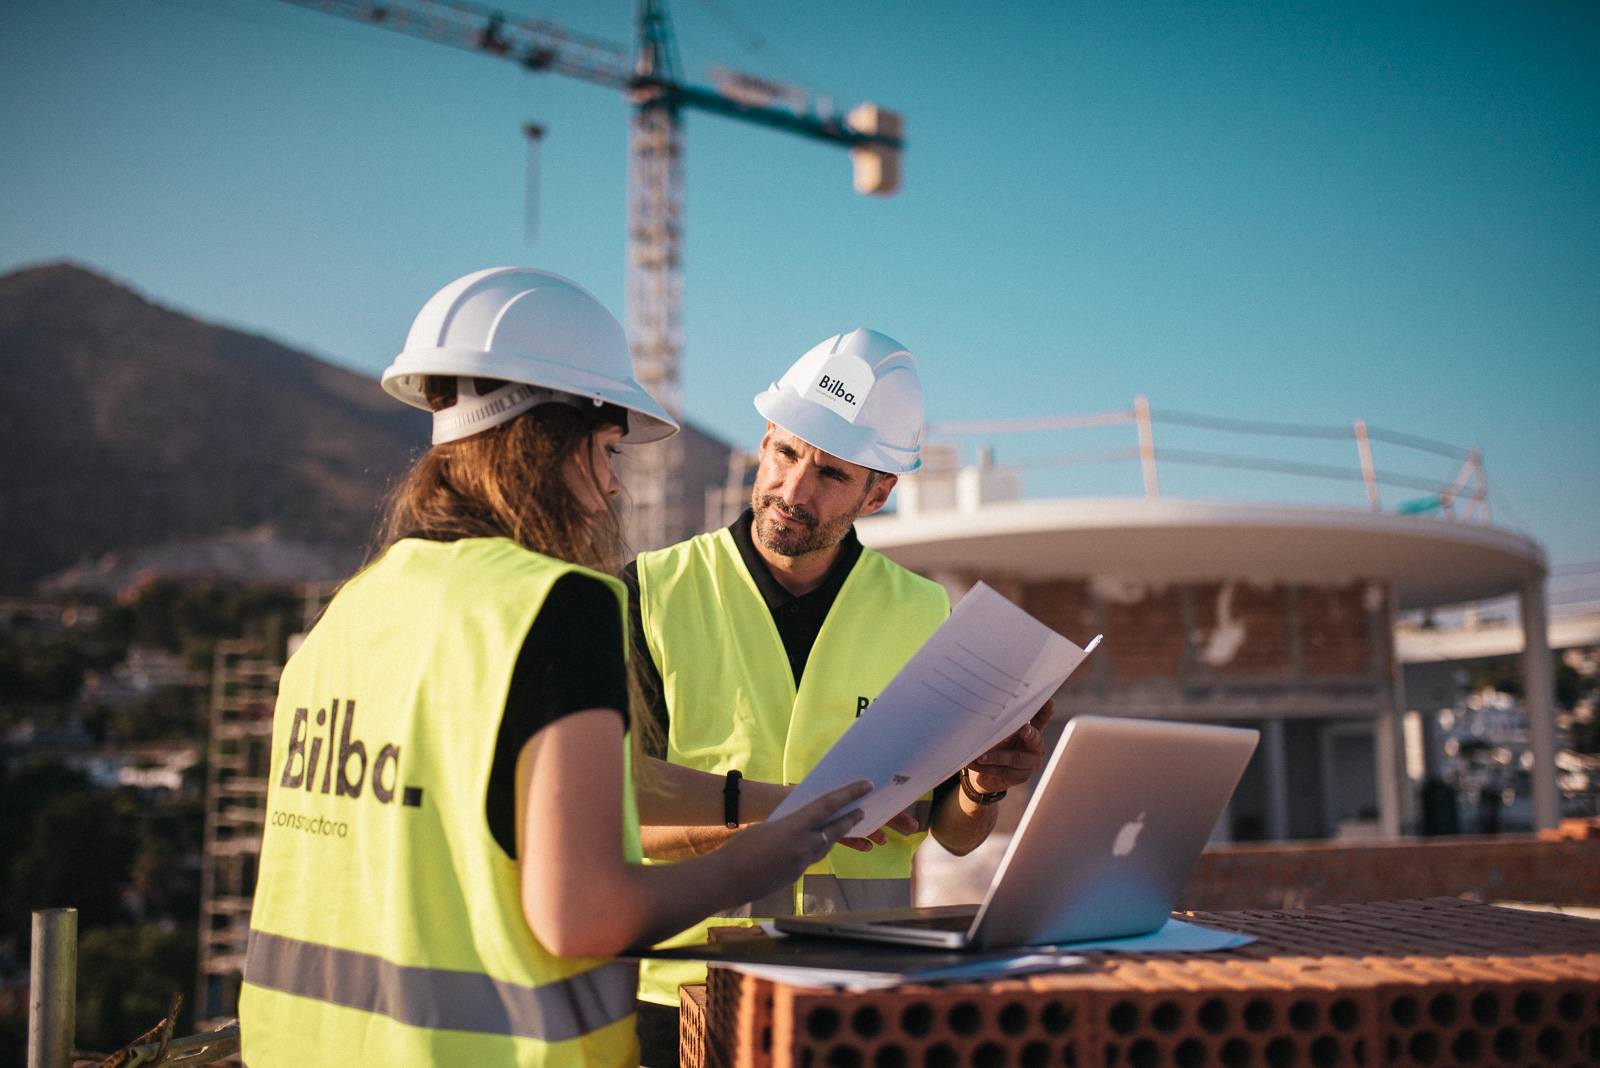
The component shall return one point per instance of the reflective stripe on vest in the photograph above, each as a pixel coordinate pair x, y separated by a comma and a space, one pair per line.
829, 893
435, 997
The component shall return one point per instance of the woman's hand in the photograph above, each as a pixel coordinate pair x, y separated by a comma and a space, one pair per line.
772, 855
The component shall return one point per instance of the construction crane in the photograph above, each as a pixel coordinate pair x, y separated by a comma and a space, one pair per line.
650, 80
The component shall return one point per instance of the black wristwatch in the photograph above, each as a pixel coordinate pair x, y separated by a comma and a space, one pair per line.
730, 801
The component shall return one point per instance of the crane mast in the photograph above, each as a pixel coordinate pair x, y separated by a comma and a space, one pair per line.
650, 80
655, 274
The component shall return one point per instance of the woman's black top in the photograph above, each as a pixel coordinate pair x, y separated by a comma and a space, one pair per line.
570, 661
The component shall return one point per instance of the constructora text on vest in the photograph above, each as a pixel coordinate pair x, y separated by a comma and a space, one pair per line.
310, 824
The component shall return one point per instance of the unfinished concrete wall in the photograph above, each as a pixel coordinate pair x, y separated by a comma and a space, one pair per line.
1312, 666
1318, 648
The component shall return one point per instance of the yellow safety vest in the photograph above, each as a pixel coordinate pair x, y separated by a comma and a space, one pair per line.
387, 926
733, 704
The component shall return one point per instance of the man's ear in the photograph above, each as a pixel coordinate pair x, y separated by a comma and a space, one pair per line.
878, 496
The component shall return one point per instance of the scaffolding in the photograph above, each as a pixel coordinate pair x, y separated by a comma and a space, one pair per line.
244, 688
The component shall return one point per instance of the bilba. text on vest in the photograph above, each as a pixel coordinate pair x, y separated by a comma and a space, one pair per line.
324, 757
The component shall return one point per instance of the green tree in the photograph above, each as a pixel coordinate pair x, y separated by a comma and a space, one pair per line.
77, 856
126, 978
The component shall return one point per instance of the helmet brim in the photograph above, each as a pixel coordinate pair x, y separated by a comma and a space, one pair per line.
403, 380
833, 433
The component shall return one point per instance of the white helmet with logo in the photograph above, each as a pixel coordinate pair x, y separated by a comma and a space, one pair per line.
856, 396
549, 339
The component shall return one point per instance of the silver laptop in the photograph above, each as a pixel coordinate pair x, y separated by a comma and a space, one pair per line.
1114, 827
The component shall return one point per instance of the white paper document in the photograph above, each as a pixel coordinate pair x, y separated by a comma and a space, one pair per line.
978, 971
974, 683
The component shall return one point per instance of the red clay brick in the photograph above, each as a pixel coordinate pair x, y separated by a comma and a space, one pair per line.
1333, 630
692, 1026
1264, 614
1144, 639
1065, 607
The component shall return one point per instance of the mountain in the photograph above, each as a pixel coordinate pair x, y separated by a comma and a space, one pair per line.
130, 424
140, 441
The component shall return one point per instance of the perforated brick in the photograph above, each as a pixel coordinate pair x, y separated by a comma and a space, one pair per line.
739, 1020
932, 1027
1237, 1029
1491, 1023
692, 1026
738, 1012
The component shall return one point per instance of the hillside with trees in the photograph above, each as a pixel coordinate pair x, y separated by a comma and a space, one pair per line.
136, 425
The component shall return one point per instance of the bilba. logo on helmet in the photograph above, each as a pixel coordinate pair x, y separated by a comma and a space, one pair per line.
304, 759
837, 387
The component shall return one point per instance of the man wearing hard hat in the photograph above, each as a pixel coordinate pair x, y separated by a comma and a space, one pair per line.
765, 640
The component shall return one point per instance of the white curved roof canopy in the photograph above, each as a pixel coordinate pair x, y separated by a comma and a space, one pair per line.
1430, 560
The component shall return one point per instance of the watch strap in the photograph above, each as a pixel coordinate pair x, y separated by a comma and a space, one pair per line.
730, 800
976, 796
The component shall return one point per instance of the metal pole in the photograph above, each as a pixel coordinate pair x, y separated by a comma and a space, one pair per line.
1368, 472
1480, 496
1538, 687
1272, 748
1147, 445
53, 988
530, 208
1388, 746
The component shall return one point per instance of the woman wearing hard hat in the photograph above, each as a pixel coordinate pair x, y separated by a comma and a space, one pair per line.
451, 851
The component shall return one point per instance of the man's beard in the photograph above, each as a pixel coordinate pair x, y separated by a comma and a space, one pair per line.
816, 536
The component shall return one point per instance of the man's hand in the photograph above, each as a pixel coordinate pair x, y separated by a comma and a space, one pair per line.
959, 823
903, 822
1013, 761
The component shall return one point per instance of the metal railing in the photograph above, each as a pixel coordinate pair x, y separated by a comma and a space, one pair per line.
52, 1011
1465, 497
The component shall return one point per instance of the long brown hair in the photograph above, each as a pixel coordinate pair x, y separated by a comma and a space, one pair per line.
510, 482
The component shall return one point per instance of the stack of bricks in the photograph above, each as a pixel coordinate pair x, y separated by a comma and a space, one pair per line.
1579, 829
1410, 984
1275, 875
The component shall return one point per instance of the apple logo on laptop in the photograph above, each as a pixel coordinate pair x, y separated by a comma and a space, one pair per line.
1127, 837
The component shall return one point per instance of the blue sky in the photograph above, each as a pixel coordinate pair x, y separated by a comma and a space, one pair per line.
1295, 213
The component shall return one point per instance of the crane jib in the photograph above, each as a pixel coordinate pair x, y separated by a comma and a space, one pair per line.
648, 77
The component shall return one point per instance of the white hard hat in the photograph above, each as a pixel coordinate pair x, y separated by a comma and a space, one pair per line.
856, 396
549, 338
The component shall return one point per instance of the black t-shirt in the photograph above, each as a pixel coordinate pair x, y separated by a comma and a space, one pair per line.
570, 661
